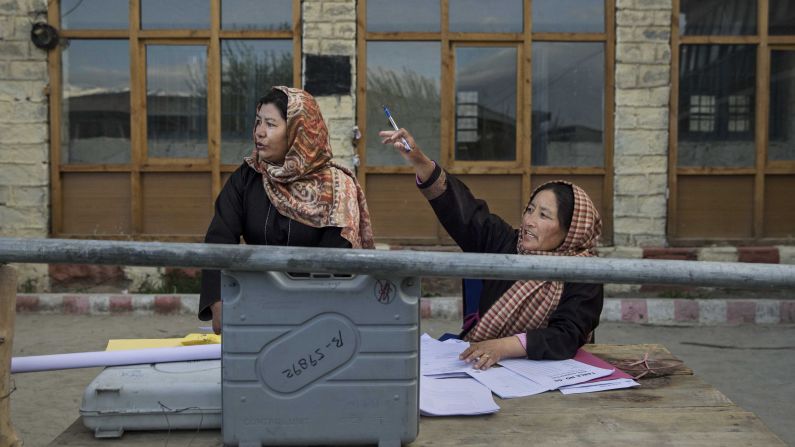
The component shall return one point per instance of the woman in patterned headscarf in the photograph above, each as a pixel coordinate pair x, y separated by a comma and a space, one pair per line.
287, 192
537, 319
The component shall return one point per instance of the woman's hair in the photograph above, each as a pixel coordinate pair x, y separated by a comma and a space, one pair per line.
277, 98
565, 198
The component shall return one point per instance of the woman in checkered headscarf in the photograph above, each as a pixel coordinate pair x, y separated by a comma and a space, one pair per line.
536, 319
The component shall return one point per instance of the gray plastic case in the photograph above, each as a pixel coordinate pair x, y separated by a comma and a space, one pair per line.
155, 396
319, 359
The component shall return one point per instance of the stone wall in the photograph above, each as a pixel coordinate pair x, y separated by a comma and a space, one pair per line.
643, 68
330, 30
24, 132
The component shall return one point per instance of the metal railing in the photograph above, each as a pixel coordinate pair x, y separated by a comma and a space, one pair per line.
400, 263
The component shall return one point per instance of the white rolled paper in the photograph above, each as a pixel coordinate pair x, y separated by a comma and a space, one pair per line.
114, 358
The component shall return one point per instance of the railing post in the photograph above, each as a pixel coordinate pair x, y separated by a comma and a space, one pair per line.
8, 303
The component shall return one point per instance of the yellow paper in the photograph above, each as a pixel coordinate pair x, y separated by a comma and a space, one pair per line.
145, 343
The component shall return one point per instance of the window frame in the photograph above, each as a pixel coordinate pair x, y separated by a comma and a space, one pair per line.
522, 165
140, 163
762, 168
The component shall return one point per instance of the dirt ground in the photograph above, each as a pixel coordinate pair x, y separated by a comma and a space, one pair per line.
751, 364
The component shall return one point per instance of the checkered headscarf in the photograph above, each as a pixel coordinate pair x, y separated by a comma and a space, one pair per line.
528, 304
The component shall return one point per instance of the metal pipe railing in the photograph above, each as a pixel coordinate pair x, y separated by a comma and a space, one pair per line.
400, 263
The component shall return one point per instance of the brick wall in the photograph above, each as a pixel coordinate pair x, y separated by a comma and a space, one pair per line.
24, 132
643, 66
330, 30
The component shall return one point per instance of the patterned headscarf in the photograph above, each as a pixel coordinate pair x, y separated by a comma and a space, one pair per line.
309, 187
528, 304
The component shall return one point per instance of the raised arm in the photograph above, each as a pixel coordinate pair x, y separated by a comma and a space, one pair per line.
467, 219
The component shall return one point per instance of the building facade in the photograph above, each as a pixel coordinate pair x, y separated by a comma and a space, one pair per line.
677, 116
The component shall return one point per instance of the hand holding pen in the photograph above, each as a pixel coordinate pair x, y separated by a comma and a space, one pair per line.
406, 146
423, 165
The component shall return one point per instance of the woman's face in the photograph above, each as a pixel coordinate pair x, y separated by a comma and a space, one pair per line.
270, 134
540, 227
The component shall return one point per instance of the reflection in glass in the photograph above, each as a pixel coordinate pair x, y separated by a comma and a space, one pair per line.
568, 16
716, 105
179, 14
781, 144
94, 14
568, 104
176, 101
782, 17
257, 14
403, 16
721, 17
485, 103
96, 102
495, 16
406, 77
248, 70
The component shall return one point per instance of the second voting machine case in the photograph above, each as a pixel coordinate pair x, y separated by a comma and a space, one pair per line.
319, 359
153, 396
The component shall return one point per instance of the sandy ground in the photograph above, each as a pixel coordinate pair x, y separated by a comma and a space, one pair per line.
751, 364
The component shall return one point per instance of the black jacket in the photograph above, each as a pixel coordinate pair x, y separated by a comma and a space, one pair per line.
475, 229
242, 209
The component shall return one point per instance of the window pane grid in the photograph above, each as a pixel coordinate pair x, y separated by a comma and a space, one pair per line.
718, 110
702, 113
95, 128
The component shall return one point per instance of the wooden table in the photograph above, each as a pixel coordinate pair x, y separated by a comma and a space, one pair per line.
679, 409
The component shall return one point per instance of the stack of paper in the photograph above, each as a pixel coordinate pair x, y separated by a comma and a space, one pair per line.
617, 380
450, 386
454, 397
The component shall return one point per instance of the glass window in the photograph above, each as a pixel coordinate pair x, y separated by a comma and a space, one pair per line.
702, 113
495, 16
782, 17
716, 105
485, 108
404, 76
94, 14
568, 16
248, 69
175, 14
722, 17
257, 14
386, 16
96, 102
739, 113
781, 144
568, 104
176, 101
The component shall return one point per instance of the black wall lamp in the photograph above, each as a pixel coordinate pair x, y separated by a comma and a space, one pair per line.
44, 36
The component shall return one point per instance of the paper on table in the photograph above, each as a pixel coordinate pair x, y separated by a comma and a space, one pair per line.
617, 380
594, 386
506, 383
554, 374
144, 343
590, 359
455, 397
441, 358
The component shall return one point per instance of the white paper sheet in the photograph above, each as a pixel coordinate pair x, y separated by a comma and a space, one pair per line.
604, 385
554, 374
455, 397
441, 358
506, 383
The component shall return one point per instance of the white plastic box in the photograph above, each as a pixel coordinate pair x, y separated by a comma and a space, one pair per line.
159, 396
319, 359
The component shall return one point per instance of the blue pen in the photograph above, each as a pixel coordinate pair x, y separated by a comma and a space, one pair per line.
394, 126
